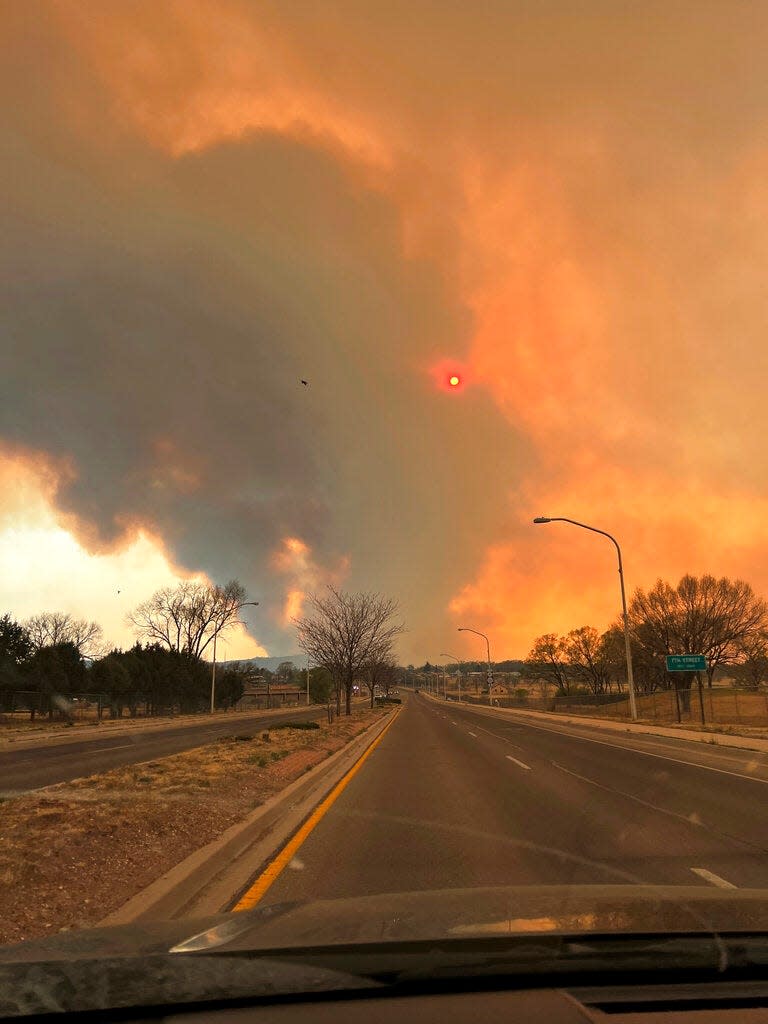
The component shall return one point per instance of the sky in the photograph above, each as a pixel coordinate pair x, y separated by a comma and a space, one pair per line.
205, 202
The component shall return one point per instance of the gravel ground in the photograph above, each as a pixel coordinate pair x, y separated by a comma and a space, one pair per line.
70, 854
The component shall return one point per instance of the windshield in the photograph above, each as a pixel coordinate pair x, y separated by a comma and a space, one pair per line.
382, 546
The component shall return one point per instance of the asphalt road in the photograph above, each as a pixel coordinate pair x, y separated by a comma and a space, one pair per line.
453, 797
46, 764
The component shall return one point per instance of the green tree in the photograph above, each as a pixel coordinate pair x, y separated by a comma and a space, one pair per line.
15, 650
320, 685
230, 686
56, 672
110, 676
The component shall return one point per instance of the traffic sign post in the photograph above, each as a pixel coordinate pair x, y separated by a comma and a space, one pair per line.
686, 663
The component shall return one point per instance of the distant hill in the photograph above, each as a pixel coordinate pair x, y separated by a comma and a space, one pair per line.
299, 660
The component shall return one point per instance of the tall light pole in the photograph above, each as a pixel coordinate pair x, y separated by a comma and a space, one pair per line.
466, 629
213, 670
307, 680
458, 666
630, 678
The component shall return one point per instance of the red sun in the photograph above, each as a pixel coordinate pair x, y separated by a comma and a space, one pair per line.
450, 374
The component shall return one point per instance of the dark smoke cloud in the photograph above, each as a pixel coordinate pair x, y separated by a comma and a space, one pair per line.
158, 314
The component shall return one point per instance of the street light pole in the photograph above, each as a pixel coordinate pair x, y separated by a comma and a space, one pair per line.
458, 666
628, 650
307, 680
213, 670
466, 629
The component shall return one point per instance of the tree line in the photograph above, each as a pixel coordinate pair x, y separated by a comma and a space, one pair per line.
721, 618
52, 655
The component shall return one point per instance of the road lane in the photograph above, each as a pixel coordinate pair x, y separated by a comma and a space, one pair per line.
452, 799
24, 770
695, 786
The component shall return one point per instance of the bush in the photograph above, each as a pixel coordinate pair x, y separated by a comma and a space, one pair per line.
297, 725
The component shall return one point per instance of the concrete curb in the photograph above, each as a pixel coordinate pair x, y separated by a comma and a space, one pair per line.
208, 880
637, 728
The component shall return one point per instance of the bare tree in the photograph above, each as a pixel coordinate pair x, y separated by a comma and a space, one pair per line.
379, 673
585, 654
701, 615
547, 660
345, 632
286, 672
751, 666
188, 616
50, 628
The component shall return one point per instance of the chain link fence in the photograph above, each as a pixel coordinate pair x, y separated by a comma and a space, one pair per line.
19, 705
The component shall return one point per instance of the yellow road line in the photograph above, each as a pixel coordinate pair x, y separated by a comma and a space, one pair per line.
275, 868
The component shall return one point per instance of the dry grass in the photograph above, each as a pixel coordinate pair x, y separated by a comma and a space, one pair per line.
72, 853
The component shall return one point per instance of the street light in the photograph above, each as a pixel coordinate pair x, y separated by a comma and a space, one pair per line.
213, 670
630, 678
458, 666
466, 629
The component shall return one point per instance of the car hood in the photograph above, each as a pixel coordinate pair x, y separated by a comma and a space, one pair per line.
358, 943
417, 916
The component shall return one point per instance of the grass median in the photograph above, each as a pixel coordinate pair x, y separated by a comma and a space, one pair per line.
72, 853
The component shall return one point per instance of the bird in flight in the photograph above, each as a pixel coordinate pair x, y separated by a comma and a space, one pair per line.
305, 383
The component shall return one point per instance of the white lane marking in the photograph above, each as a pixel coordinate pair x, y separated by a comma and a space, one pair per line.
711, 877
689, 820
472, 734
102, 750
635, 750
498, 736
522, 764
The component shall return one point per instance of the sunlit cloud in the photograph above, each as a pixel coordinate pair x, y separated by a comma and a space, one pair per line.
294, 561
43, 567
247, 78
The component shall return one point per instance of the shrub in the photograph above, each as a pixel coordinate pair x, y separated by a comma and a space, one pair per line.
297, 725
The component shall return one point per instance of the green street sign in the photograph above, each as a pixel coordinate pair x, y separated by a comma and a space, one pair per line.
686, 663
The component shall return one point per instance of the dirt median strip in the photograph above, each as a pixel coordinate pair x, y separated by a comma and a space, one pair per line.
72, 853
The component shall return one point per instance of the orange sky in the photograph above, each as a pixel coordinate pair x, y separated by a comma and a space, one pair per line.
567, 202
